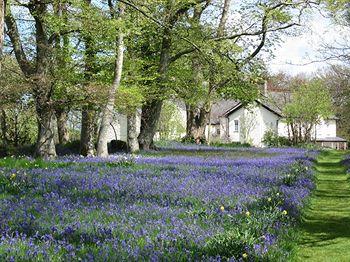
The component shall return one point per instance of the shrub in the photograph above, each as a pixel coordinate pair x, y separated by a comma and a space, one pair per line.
231, 144
271, 138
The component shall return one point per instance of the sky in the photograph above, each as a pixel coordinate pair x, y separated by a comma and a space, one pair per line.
295, 55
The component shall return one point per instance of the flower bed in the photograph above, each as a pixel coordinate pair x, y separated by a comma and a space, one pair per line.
154, 208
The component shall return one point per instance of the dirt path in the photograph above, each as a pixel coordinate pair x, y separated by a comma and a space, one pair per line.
326, 226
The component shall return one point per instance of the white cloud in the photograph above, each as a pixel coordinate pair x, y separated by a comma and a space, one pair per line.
295, 54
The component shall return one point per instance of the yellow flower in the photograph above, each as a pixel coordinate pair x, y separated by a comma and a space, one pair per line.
222, 208
284, 212
13, 176
245, 255
269, 199
247, 213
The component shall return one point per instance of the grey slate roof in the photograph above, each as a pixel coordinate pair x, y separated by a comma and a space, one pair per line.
219, 108
331, 139
223, 108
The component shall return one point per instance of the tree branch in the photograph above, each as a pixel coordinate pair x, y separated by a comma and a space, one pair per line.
13, 33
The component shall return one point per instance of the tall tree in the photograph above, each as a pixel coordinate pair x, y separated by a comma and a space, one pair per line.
2, 28
63, 59
88, 112
36, 68
107, 116
311, 102
337, 80
172, 13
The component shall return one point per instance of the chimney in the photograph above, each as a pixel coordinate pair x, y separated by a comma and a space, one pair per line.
265, 88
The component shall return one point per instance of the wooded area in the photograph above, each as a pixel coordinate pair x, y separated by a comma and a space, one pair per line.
65, 60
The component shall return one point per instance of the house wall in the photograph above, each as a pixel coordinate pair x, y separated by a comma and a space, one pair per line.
119, 128
326, 128
215, 131
253, 124
120, 124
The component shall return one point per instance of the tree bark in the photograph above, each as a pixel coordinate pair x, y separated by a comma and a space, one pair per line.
197, 119
87, 146
149, 120
62, 125
3, 127
223, 19
102, 149
45, 146
2, 29
151, 110
133, 143
88, 116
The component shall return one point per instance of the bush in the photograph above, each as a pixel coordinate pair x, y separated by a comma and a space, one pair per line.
23, 150
192, 140
271, 138
70, 148
230, 144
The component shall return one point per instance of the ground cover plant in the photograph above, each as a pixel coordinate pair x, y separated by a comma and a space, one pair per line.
154, 207
324, 232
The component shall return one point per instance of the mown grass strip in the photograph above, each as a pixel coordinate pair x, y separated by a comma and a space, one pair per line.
325, 230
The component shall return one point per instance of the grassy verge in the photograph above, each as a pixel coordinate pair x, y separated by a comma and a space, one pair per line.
325, 230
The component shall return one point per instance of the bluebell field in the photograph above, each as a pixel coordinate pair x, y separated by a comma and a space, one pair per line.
157, 207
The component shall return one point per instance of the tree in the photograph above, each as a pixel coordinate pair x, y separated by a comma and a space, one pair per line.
339, 50
311, 102
247, 122
17, 111
337, 80
170, 126
226, 64
36, 68
2, 28
102, 149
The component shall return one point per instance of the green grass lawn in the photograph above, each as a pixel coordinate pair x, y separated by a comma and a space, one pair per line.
325, 230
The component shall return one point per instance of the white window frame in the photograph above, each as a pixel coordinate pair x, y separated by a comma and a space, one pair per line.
236, 126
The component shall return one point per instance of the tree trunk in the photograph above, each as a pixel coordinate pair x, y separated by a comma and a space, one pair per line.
87, 146
149, 120
133, 143
197, 119
151, 110
62, 126
3, 127
223, 18
2, 18
102, 149
45, 146
88, 116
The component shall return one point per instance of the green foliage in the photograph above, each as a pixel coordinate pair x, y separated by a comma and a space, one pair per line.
170, 124
14, 183
230, 144
272, 139
311, 102
129, 99
239, 242
296, 171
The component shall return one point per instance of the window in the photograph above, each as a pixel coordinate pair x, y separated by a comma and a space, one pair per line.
236, 126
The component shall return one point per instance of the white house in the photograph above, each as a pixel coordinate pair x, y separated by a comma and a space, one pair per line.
231, 121
245, 124
234, 122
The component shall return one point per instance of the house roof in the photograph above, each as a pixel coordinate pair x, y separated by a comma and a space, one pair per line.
219, 108
331, 139
264, 104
